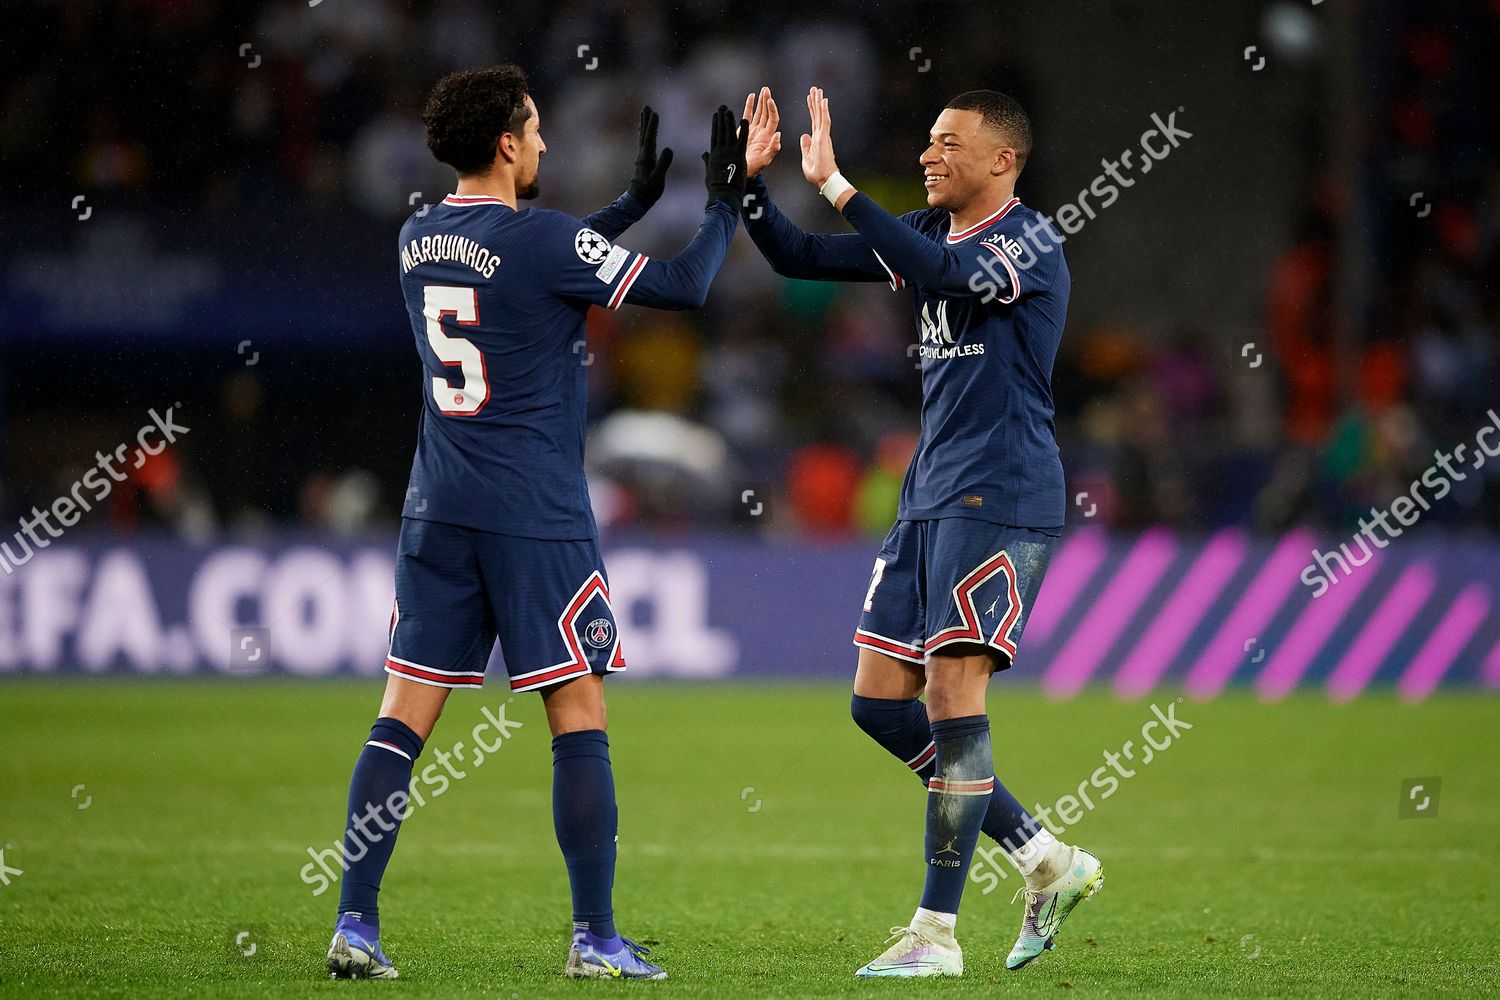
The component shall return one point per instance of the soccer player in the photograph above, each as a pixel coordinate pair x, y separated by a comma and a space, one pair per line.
497, 535
982, 505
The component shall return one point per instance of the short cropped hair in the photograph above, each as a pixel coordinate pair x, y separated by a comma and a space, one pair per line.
468, 111
1002, 113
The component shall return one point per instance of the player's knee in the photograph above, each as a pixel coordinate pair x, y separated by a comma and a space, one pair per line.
956, 691
946, 702
417, 706
940, 701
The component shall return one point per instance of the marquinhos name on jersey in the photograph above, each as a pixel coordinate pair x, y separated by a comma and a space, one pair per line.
449, 247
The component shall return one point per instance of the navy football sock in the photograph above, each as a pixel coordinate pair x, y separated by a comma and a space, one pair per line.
957, 797
901, 726
1007, 822
377, 801
584, 813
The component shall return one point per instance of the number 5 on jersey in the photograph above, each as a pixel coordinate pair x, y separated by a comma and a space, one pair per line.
455, 352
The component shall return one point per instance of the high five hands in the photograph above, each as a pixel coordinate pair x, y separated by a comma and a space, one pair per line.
764, 140
817, 149
650, 178
760, 133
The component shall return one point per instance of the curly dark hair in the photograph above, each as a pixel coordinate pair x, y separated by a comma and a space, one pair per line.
1002, 113
468, 111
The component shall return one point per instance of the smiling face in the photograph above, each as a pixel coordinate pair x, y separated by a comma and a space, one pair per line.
965, 160
527, 148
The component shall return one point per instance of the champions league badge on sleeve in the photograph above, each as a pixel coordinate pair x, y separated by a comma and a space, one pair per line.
590, 246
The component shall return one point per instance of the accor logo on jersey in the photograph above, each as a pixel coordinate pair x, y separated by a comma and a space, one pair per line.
936, 331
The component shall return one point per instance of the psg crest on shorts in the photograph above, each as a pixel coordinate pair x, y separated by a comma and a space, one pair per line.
598, 633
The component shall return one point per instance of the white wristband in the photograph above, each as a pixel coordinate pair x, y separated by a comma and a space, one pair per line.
833, 189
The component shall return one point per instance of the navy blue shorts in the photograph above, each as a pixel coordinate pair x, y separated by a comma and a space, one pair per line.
953, 580
459, 589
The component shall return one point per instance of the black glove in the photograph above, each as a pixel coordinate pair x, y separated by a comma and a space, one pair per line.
650, 178
724, 163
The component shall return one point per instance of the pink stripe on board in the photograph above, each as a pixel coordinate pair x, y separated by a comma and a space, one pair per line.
1295, 653
1096, 634
1150, 658
1381, 632
1250, 614
1447, 640
1069, 573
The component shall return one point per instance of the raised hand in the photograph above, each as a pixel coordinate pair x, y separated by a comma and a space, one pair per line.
764, 141
724, 163
817, 149
650, 178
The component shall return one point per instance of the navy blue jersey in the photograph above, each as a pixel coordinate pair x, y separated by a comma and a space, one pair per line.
497, 300
989, 308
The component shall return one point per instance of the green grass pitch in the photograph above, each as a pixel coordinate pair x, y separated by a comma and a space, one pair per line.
765, 846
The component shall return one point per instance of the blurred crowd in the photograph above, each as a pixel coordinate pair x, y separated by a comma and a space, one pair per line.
785, 405
1363, 420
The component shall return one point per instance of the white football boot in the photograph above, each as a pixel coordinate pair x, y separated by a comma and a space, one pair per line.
923, 949
1048, 906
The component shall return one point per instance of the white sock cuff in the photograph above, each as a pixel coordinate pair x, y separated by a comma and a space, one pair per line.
1033, 852
947, 921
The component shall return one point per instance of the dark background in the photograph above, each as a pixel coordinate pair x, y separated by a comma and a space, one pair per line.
244, 169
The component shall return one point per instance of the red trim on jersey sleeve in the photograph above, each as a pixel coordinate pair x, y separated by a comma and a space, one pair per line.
631, 274
1015, 279
897, 282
